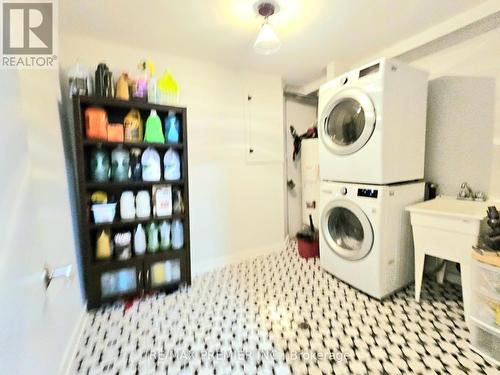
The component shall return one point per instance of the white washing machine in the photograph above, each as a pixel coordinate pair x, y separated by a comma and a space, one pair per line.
371, 124
365, 234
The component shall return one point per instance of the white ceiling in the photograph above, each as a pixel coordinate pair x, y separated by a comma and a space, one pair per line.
313, 32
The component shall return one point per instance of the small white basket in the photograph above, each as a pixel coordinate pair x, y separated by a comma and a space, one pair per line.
104, 213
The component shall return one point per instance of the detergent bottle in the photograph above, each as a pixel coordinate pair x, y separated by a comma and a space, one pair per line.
154, 132
167, 89
172, 128
172, 165
139, 240
177, 230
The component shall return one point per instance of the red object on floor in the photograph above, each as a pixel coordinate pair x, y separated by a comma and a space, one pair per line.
308, 249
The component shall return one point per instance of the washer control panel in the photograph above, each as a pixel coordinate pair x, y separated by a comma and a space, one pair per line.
343, 190
368, 193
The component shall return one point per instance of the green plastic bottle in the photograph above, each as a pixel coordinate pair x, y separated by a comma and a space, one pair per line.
154, 131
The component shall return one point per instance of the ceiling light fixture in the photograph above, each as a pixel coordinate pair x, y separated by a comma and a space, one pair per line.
267, 41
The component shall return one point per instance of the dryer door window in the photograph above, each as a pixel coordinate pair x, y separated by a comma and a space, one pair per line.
348, 122
347, 230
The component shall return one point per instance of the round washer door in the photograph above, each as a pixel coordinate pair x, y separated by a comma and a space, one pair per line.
347, 121
347, 229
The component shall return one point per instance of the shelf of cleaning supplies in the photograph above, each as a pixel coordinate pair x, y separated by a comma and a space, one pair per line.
141, 145
130, 184
157, 256
134, 222
93, 269
127, 104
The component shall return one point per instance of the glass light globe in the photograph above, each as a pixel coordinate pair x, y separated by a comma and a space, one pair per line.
267, 41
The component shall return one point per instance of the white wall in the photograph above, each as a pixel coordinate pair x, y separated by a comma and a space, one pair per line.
460, 121
464, 106
36, 326
236, 205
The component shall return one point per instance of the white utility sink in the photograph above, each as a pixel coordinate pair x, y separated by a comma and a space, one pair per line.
446, 228
451, 207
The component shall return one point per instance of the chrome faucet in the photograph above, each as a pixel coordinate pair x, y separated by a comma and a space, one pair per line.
467, 193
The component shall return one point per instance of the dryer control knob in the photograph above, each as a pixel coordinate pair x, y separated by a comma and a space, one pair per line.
343, 190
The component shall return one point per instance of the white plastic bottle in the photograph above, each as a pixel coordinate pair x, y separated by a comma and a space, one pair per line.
177, 235
164, 235
139, 240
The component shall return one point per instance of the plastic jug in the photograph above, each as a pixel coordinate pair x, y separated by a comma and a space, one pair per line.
151, 166
134, 130
172, 271
167, 89
80, 82
153, 243
139, 240
102, 80
152, 90
127, 205
135, 164
99, 165
172, 165
122, 87
177, 235
178, 205
120, 164
164, 235
158, 273
104, 246
143, 204
172, 128
146, 70
154, 131
96, 124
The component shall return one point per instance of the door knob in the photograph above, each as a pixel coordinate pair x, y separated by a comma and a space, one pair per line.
57, 273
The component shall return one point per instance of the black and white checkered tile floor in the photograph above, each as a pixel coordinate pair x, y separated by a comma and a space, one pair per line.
280, 314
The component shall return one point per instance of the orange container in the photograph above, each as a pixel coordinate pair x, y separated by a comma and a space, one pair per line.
115, 132
96, 123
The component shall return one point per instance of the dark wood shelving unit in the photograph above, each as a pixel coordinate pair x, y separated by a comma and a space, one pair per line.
141, 145
130, 184
143, 266
136, 221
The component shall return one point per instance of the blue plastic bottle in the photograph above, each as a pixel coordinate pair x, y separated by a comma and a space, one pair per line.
172, 128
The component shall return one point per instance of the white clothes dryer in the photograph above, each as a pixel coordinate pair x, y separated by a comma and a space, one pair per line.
371, 123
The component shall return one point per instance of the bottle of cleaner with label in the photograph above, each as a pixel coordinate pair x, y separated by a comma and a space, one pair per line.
172, 128
139, 240
154, 131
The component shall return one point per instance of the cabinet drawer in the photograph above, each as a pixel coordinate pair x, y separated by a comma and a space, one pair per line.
485, 341
486, 279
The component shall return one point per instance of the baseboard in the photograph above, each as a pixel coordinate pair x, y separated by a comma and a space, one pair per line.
226, 260
70, 353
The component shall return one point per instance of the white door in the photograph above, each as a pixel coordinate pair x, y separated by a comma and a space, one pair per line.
347, 121
301, 116
36, 325
347, 229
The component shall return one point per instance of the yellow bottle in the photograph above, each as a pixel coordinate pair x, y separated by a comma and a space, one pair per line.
168, 89
103, 245
158, 274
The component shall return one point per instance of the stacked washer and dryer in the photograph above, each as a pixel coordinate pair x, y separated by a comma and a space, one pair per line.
371, 124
